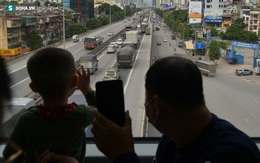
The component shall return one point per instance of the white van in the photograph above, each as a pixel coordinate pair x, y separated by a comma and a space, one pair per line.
75, 38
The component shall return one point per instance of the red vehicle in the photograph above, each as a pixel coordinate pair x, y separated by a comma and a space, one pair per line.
92, 42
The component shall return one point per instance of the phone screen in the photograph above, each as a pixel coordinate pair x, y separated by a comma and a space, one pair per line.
110, 100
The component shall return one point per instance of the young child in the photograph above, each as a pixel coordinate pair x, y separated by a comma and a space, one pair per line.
55, 126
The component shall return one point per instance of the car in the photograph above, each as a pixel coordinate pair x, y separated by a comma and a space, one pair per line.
111, 49
241, 72
114, 44
112, 74
173, 37
119, 41
165, 40
110, 34
158, 43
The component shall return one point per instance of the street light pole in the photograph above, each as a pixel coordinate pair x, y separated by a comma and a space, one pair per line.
110, 15
63, 19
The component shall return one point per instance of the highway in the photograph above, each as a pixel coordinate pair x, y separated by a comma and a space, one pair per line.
228, 97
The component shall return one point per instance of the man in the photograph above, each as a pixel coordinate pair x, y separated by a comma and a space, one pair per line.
175, 106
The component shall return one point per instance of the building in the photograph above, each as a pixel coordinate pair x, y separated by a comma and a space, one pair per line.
195, 14
10, 36
213, 13
254, 22
84, 7
226, 22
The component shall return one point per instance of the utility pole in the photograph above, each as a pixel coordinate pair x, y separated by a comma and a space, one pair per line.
110, 17
63, 19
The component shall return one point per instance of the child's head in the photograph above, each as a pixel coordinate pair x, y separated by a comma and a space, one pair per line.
52, 71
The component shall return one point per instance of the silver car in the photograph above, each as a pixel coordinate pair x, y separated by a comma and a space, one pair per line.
111, 49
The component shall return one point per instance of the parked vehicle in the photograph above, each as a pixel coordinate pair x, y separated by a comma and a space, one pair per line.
111, 49
75, 38
112, 74
126, 57
242, 72
180, 44
158, 43
93, 42
89, 61
206, 68
173, 37
165, 40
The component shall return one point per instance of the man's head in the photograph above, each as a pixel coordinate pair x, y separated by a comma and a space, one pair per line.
173, 85
51, 71
5, 92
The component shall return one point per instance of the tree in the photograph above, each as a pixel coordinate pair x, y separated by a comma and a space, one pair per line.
37, 3
34, 40
223, 45
46, 3
75, 28
214, 51
214, 32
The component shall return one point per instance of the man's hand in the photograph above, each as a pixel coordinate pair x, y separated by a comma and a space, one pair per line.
47, 156
111, 139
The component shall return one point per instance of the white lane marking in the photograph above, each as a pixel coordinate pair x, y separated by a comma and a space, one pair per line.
255, 100
253, 115
18, 69
65, 47
130, 74
20, 82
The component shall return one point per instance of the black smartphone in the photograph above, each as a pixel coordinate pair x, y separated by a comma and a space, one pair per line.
110, 100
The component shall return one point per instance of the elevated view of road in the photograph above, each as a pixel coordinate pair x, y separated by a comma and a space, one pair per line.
227, 96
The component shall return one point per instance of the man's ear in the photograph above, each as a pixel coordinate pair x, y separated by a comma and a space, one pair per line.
158, 104
33, 87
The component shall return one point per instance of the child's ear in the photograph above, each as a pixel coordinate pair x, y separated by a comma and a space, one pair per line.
33, 87
74, 82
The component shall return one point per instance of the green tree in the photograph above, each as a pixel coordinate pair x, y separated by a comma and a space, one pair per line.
223, 45
37, 3
214, 32
34, 40
46, 3
214, 51
185, 30
75, 28
14, 2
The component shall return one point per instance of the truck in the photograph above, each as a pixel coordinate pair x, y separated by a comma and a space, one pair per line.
126, 57
147, 31
206, 68
93, 42
89, 61
132, 38
143, 27
257, 68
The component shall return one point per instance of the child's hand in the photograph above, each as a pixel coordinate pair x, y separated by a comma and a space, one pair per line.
84, 81
47, 156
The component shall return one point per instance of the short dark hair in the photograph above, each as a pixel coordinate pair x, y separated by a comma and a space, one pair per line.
51, 71
177, 81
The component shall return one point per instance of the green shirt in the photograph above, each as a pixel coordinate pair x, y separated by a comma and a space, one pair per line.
65, 136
